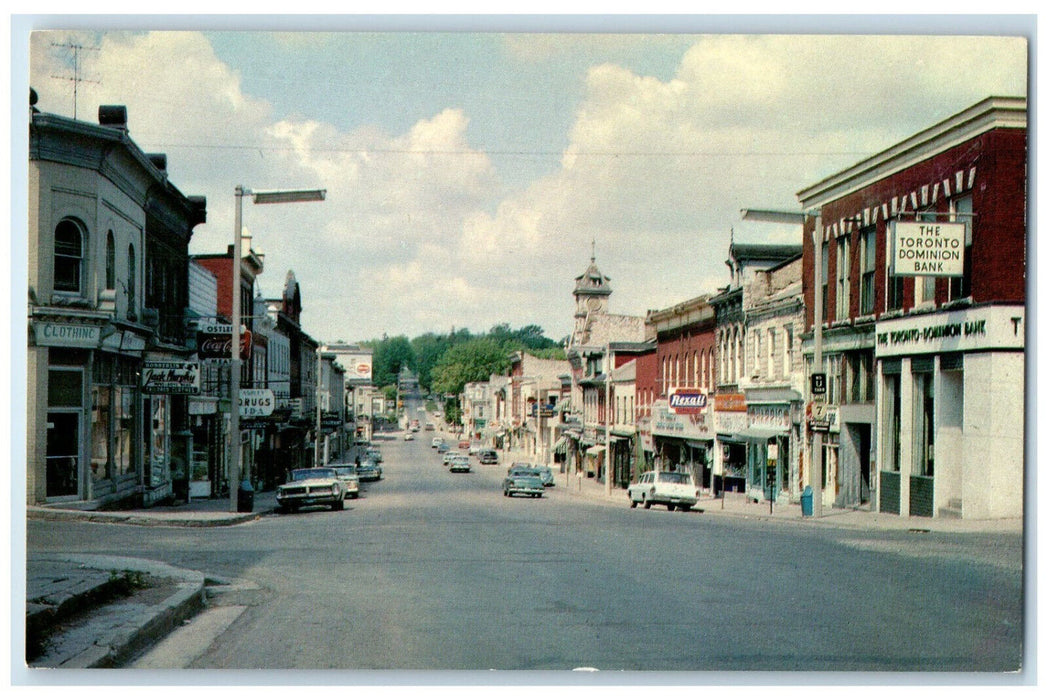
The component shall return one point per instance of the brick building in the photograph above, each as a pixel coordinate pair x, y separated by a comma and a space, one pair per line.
925, 364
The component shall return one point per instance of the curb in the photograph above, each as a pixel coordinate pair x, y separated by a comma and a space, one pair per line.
146, 519
119, 644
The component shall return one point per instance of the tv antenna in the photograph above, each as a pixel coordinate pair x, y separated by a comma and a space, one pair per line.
76, 78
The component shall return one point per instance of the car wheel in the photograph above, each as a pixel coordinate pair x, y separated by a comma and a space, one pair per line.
684, 509
671, 507
355, 495
339, 504
645, 502
633, 504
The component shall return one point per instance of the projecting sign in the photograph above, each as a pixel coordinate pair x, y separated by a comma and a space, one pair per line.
256, 402
170, 378
927, 249
818, 383
684, 401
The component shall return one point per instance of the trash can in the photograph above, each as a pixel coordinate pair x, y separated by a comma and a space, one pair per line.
245, 497
806, 501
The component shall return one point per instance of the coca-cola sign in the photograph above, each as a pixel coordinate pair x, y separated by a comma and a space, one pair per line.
212, 346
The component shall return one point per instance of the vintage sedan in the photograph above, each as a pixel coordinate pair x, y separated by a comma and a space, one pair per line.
523, 479
320, 486
488, 457
348, 474
459, 463
374, 455
546, 473
369, 470
450, 455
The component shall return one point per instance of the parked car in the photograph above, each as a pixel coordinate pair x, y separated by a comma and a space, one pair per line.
672, 489
374, 454
474, 448
488, 457
459, 463
369, 470
430, 426
435, 442
319, 486
442, 447
463, 444
546, 473
524, 480
348, 474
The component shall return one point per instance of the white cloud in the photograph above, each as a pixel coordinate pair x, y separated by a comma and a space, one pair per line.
409, 239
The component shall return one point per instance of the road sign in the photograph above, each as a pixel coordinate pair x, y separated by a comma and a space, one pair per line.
818, 383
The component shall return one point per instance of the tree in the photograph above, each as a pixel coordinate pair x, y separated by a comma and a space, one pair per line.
472, 361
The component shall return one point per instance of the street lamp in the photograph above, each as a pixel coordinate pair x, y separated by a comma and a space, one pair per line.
259, 197
786, 217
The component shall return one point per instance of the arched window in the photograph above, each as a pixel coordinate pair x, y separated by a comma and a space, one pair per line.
69, 256
110, 261
132, 281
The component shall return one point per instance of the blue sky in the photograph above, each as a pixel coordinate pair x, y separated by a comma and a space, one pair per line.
469, 173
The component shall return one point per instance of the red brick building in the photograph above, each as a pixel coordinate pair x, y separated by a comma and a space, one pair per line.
924, 362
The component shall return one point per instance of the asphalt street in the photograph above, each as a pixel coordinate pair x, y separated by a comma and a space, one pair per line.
431, 570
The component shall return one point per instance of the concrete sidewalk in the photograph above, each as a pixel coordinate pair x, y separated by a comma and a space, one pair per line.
737, 505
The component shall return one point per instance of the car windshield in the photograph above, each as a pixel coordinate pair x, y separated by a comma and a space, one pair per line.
345, 472
674, 477
304, 474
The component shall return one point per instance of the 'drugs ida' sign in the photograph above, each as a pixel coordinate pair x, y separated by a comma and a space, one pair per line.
927, 249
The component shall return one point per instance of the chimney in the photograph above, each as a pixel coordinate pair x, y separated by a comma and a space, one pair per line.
113, 115
159, 161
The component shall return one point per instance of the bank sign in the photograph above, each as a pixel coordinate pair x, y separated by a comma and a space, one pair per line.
684, 401
982, 328
927, 249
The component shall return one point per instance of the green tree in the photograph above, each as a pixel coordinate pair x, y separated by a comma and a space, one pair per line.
390, 355
472, 361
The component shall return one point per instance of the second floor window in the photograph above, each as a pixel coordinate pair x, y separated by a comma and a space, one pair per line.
110, 261
843, 280
961, 209
69, 256
868, 241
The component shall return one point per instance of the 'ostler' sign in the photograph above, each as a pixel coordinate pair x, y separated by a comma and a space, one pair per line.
686, 401
927, 249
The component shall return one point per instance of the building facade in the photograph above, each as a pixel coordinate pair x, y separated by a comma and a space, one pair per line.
109, 368
923, 262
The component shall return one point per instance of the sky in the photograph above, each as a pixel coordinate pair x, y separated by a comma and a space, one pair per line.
472, 172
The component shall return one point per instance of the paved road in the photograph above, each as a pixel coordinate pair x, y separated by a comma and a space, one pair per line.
433, 570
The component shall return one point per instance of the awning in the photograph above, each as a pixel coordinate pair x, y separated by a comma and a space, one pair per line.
760, 433
561, 445
595, 450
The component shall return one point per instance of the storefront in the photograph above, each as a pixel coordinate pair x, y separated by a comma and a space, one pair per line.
683, 441
772, 437
951, 408
730, 457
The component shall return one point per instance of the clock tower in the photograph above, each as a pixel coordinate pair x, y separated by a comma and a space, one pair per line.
591, 299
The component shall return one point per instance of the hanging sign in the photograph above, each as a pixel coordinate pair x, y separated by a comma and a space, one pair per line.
170, 377
927, 249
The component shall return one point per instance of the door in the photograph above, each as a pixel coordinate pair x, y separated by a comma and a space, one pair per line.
63, 454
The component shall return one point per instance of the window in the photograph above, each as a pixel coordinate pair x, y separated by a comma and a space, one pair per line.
895, 290
843, 281
825, 273
110, 261
892, 405
868, 241
961, 209
756, 353
69, 256
833, 379
771, 353
924, 287
132, 272
859, 376
787, 352
923, 423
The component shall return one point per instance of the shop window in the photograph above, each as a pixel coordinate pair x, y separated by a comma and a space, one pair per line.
69, 256
868, 263
923, 423
859, 375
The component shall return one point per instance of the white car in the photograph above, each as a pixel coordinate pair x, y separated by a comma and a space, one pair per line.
459, 463
436, 441
320, 486
672, 489
450, 455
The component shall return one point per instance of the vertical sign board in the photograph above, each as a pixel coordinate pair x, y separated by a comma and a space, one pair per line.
927, 249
